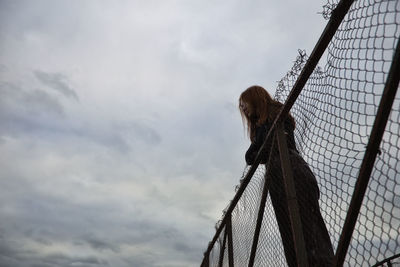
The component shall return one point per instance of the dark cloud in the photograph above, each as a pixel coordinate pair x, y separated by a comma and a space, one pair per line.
56, 81
180, 246
33, 111
101, 228
14, 99
26, 110
100, 245
11, 254
39, 236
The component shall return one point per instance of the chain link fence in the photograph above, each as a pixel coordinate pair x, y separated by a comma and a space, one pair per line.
334, 115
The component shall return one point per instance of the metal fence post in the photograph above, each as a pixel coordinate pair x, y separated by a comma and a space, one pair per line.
222, 250
206, 260
293, 207
230, 240
261, 209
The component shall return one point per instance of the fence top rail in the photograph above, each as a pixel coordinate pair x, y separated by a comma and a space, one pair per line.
336, 18
386, 260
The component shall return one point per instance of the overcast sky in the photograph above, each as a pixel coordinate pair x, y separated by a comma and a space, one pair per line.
120, 138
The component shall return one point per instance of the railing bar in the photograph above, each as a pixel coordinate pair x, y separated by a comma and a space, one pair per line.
291, 199
230, 240
206, 261
386, 260
382, 115
222, 250
261, 209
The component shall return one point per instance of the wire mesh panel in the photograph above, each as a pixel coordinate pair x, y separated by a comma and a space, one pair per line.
215, 252
270, 249
244, 218
335, 113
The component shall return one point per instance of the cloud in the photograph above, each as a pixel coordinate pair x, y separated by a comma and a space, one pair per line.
26, 110
138, 129
3, 68
16, 99
146, 133
66, 260
73, 214
14, 254
56, 81
100, 245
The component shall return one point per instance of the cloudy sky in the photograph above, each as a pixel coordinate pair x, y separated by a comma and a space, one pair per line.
120, 140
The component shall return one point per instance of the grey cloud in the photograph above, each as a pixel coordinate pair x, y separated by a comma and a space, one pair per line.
42, 215
56, 81
3, 68
26, 110
38, 236
116, 135
180, 246
5, 249
122, 136
60, 220
100, 245
12, 255
148, 231
98, 135
64, 260
33, 111
140, 131
13, 99
147, 133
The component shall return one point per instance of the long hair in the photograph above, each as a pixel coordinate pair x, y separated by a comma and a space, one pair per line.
262, 108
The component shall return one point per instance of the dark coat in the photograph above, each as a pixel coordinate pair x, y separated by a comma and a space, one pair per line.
316, 237
261, 133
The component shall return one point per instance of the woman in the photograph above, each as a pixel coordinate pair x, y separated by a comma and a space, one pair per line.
259, 111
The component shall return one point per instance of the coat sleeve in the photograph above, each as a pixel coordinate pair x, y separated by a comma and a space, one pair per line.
261, 133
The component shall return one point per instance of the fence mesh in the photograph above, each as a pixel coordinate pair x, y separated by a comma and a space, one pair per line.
334, 115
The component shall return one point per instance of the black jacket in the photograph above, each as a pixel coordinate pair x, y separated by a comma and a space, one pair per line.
261, 133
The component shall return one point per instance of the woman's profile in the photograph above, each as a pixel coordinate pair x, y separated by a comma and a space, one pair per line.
258, 112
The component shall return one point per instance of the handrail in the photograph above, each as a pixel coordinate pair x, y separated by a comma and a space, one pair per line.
387, 260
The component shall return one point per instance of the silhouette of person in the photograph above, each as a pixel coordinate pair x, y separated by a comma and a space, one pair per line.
258, 112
